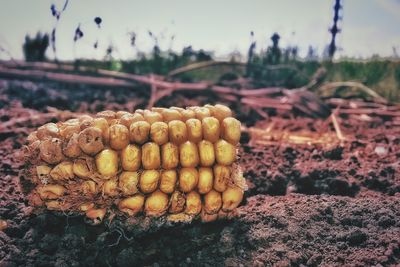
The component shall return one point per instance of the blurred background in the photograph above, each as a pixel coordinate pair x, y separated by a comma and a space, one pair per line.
353, 40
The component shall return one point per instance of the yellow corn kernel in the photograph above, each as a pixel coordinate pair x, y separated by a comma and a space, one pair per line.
67, 130
231, 198
188, 154
63, 171
84, 168
51, 191
177, 202
149, 181
128, 183
139, 132
194, 130
171, 114
177, 132
51, 150
88, 188
221, 112
188, 178
230, 130
193, 203
211, 129
110, 188
102, 125
121, 113
131, 158
156, 204
211, 108
132, 205
127, 120
139, 111
152, 116
168, 181
119, 136
206, 153
151, 158
71, 148
202, 112
225, 153
222, 175
177, 108
188, 114
158, 109
159, 133
212, 202
169, 156
107, 163
90, 140
205, 180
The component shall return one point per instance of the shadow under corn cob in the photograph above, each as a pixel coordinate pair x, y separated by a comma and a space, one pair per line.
178, 162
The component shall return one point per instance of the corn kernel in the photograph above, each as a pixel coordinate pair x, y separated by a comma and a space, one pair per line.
177, 132
211, 129
132, 205
222, 175
159, 133
156, 204
230, 130
212, 202
128, 183
177, 202
188, 154
131, 158
139, 132
188, 178
171, 114
193, 203
149, 181
168, 181
151, 158
225, 152
170, 156
90, 140
107, 163
205, 180
194, 130
63, 171
231, 198
206, 153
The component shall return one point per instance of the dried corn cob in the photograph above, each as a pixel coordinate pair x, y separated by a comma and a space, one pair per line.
159, 161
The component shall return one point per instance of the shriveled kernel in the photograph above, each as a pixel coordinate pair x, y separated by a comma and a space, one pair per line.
205, 180
231, 198
66, 131
54, 205
188, 114
119, 136
177, 202
225, 152
194, 130
230, 130
71, 148
51, 150
169, 156
177, 132
221, 112
96, 215
211, 129
110, 188
171, 114
48, 131
193, 203
128, 183
107, 163
86, 206
159, 133
151, 158
156, 204
222, 175
139, 132
212, 202
188, 178
188, 154
131, 158
152, 116
51, 191
206, 153
90, 140
119, 114
63, 171
202, 112
205, 217
103, 126
132, 205
168, 181
149, 180
84, 167
43, 172
88, 188
127, 119
106, 114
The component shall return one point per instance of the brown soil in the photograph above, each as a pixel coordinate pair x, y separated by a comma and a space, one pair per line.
307, 205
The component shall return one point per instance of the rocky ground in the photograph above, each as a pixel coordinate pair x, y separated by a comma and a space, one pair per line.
307, 205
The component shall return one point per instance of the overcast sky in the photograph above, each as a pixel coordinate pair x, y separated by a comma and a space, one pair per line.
222, 26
